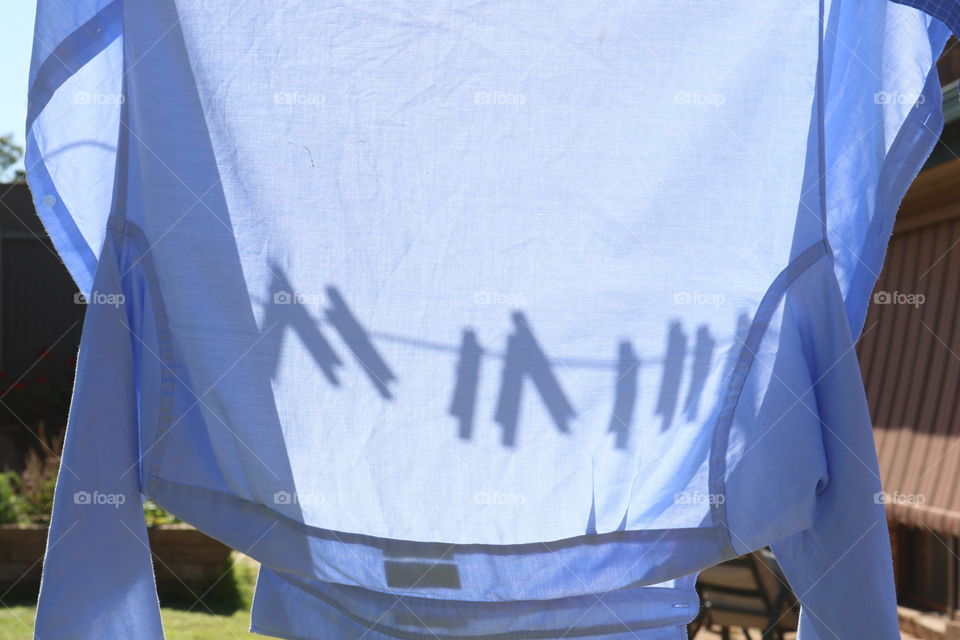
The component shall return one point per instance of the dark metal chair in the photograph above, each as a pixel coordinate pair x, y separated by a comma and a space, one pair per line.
748, 593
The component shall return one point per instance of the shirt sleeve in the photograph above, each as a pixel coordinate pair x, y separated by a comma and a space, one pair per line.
840, 567
98, 577
946, 11
882, 117
880, 64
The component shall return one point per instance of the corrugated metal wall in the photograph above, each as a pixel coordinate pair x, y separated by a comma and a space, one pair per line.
910, 356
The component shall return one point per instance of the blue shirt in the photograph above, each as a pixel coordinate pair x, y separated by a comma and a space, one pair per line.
474, 320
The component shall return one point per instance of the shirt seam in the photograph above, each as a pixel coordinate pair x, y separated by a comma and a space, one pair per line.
544, 634
741, 370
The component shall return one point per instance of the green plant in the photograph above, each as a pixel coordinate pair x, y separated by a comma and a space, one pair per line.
37, 484
155, 514
28, 497
8, 497
10, 154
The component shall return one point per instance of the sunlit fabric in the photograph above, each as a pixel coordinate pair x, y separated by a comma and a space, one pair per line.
473, 320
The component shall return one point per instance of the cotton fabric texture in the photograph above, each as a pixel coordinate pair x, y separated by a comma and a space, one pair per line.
476, 319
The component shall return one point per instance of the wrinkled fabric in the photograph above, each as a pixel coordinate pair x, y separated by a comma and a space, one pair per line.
475, 319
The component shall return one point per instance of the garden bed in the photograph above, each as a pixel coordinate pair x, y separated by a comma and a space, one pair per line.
186, 561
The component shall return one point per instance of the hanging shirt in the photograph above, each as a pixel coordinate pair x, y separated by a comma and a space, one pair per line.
475, 319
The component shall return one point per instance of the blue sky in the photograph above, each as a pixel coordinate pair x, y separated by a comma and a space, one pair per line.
14, 64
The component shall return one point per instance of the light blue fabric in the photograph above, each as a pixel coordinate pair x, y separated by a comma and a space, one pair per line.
475, 320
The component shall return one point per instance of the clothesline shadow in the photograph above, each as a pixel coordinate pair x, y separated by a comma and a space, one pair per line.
284, 311
684, 364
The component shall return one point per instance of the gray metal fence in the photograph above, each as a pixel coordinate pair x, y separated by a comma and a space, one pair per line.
38, 306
